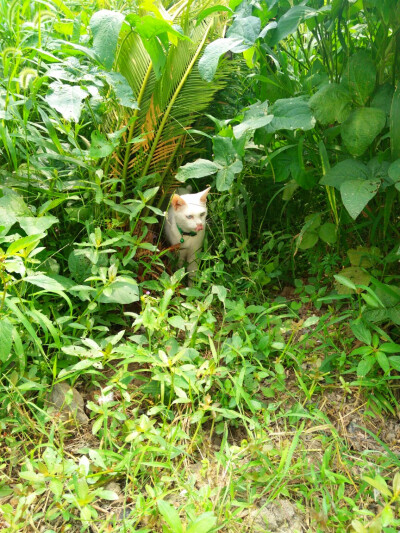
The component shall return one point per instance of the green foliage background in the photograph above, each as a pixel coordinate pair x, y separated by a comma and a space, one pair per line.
291, 112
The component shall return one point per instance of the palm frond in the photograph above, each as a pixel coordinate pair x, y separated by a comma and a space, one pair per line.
168, 106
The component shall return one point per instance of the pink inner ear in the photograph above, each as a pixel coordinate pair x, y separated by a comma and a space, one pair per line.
177, 202
203, 197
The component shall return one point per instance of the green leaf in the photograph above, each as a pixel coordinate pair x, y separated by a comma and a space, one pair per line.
327, 233
357, 193
105, 26
209, 11
45, 282
220, 291
197, 169
394, 361
361, 127
66, 99
349, 277
256, 116
361, 331
6, 331
21, 244
123, 290
122, 90
177, 322
36, 225
227, 174
203, 523
170, 515
360, 76
358, 527
396, 483
380, 484
309, 239
383, 361
383, 98
332, 103
349, 169
394, 173
105, 494
290, 114
245, 29
390, 347
208, 63
395, 124
365, 365
100, 146
290, 21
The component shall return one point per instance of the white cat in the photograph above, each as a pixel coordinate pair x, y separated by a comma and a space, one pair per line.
185, 225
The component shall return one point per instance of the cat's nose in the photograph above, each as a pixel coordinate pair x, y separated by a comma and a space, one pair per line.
199, 227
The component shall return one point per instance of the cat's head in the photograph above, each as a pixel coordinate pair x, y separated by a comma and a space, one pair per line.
190, 210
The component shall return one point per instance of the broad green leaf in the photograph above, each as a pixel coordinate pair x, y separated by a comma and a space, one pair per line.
394, 171
383, 361
227, 174
23, 243
327, 233
56, 486
122, 90
36, 225
251, 124
347, 170
220, 291
224, 151
105, 494
380, 484
203, 523
363, 256
361, 127
177, 322
332, 103
394, 361
290, 114
66, 99
395, 124
100, 146
361, 331
12, 206
308, 240
149, 27
170, 515
390, 347
396, 483
290, 21
209, 11
208, 63
365, 365
349, 277
198, 169
45, 282
360, 76
105, 26
312, 222
123, 290
383, 98
6, 331
358, 527
357, 193
245, 29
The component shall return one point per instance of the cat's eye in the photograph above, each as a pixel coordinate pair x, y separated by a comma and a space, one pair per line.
189, 216
202, 214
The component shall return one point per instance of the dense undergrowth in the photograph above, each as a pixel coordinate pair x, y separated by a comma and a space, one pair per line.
264, 397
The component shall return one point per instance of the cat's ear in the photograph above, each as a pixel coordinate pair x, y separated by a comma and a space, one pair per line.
177, 202
203, 197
